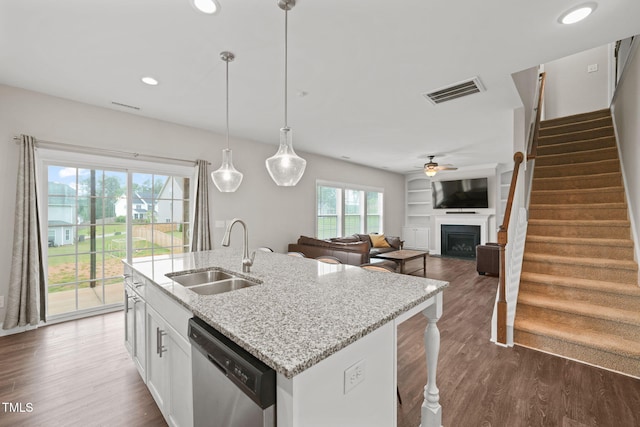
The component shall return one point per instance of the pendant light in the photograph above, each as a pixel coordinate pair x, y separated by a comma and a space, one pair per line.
227, 179
286, 167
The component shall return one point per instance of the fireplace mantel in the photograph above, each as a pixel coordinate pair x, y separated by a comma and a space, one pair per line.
460, 219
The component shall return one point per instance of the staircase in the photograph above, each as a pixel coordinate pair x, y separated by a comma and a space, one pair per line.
579, 296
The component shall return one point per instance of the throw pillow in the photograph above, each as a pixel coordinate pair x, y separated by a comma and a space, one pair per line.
379, 241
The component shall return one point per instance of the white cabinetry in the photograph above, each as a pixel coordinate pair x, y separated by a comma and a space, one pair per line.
134, 319
156, 337
169, 370
416, 238
418, 212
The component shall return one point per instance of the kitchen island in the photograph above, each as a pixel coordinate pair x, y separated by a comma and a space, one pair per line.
311, 322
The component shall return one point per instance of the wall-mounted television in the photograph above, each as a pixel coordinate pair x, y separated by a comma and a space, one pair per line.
460, 193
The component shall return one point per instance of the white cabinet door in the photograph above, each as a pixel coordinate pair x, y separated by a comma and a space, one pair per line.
180, 401
129, 321
169, 371
422, 238
139, 352
416, 238
157, 367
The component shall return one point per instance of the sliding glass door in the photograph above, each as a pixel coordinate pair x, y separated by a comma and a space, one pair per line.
98, 216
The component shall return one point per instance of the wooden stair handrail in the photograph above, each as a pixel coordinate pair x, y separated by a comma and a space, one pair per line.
503, 238
532, 146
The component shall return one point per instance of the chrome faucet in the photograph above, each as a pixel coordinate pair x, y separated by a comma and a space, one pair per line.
246, 261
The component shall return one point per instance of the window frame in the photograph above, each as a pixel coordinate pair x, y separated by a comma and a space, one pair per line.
46, 157
341, 205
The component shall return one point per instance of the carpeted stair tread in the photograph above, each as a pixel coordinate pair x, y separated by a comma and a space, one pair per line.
579, 146
581, 308
583, 262
605, 300
599, 132
577, 169
599, 180
580, 117
595, 247
592, 337
585, 223
592, 356
579, 196
599, 154
586, 211
586, 284
577, 126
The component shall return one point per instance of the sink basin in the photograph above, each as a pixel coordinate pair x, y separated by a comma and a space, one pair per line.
200, 277
222, 286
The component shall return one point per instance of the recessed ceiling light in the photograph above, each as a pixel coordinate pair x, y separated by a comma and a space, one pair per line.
577, 14
150, 81
206, 6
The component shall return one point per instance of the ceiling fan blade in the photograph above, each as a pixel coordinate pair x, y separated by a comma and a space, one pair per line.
446, 168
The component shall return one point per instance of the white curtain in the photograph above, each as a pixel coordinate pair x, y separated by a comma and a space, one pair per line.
25, 300
201, 235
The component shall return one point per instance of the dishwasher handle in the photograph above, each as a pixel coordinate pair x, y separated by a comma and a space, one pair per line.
217, 364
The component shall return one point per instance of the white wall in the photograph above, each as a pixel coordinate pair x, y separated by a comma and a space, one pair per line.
626, 110
276, 216
570, 89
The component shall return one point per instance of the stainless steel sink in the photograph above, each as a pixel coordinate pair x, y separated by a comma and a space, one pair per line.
222, 286
200, 277
211, 282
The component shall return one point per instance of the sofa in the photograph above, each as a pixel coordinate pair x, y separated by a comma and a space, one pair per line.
354, 253
355, 250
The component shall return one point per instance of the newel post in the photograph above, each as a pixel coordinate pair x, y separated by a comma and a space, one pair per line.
502, 293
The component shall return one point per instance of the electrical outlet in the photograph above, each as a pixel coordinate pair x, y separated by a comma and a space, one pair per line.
354, 375
592, 68
1, 301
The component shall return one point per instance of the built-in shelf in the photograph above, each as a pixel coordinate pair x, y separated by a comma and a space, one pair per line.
418, 212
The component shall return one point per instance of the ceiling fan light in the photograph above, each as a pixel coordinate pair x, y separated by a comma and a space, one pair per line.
430, 172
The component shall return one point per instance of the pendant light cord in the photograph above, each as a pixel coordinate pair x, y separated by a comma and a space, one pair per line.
227, 104
286, 14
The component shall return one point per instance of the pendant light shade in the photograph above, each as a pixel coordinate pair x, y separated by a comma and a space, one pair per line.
227, 178
286, 167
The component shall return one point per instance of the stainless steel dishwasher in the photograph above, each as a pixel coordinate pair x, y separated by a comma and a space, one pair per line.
231, 388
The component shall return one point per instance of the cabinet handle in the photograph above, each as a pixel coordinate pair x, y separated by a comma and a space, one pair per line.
137, 284
159, 347
126, 306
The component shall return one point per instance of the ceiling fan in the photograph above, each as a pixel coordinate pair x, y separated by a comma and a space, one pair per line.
431, 168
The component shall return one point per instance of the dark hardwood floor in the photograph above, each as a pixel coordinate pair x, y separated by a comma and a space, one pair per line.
482, 384
79, 374
76, 373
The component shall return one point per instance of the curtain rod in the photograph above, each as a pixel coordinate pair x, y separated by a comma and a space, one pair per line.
113, 153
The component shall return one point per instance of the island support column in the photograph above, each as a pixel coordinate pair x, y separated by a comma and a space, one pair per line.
431, 409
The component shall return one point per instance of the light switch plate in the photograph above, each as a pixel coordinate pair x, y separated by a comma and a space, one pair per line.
592, 68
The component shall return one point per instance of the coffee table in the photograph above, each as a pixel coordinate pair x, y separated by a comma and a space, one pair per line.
404, 255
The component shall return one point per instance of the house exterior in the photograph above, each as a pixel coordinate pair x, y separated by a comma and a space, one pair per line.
142, 205
62, 214
166, 209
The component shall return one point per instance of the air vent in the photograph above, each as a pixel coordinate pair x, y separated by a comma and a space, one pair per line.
120, 104
457, 90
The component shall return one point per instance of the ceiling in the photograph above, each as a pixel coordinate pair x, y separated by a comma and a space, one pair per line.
357, 69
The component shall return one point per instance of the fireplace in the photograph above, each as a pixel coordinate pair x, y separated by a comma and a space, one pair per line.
459, 241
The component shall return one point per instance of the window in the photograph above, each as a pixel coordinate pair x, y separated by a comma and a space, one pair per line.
343, 210
99, 215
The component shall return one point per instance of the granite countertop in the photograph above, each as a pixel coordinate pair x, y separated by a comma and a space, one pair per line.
303, 310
